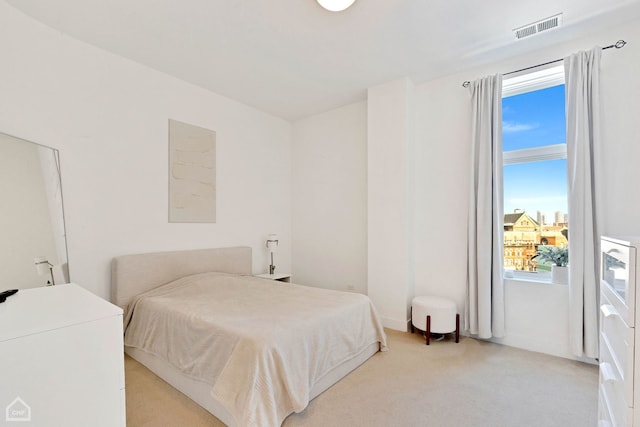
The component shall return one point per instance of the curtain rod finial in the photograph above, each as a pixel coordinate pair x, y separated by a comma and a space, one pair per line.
466, 84
620, 44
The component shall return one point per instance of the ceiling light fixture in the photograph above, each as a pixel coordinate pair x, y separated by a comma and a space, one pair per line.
335, 5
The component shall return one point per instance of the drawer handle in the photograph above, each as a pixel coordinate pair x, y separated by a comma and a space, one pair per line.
608, 375
609, 310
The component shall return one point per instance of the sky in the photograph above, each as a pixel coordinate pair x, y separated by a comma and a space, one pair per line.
535, 119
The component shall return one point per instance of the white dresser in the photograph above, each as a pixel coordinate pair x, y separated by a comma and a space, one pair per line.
619, 402
61, 359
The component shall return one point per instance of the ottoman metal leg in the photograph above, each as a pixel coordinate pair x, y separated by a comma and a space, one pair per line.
457, 328
427, 333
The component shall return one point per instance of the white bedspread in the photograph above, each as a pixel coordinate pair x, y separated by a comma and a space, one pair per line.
261, 344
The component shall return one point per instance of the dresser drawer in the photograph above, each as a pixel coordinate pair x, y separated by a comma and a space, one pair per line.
617, 343
621, 306
604, 412
610, 413
619, 379
618, 276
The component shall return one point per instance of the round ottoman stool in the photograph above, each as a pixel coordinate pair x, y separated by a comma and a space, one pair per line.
435, 314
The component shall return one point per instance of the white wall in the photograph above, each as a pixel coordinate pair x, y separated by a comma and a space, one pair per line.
620, 150
108, 117
330, 199
537, 317
389, 147
441, 164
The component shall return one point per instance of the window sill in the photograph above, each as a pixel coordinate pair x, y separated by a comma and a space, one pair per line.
528, 276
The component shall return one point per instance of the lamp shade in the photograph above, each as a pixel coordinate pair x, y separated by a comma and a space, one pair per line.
272, 242
336, 5
42, 265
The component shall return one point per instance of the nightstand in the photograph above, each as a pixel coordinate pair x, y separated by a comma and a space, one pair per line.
279, 277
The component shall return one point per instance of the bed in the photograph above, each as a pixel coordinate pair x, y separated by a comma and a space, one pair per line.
249, 350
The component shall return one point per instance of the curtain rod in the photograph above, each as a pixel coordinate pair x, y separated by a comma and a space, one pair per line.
618, 45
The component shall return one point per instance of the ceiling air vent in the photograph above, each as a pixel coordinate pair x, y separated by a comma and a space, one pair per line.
538, 27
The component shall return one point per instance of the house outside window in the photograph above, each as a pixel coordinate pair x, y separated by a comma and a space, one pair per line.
535, 169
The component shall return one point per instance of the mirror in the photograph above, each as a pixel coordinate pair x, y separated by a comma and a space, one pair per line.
33, 248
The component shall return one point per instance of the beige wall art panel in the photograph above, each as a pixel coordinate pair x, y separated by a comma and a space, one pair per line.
192, 173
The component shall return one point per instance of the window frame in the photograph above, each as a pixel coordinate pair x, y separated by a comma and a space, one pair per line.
535, 154
519, 84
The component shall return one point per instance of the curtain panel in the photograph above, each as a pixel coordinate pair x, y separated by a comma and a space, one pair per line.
582, 74
484, 303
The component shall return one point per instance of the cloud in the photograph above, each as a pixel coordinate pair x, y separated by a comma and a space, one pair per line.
512, 127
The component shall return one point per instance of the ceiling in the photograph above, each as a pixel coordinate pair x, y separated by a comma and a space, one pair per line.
291, 58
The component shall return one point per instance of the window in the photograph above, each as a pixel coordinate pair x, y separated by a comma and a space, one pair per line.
535, 167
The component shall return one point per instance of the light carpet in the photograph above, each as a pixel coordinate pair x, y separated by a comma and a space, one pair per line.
472, 383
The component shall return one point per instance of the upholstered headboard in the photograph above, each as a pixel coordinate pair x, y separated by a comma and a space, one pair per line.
134, 274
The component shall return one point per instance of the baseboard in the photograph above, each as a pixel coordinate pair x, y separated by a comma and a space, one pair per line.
539, 346
395, 324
